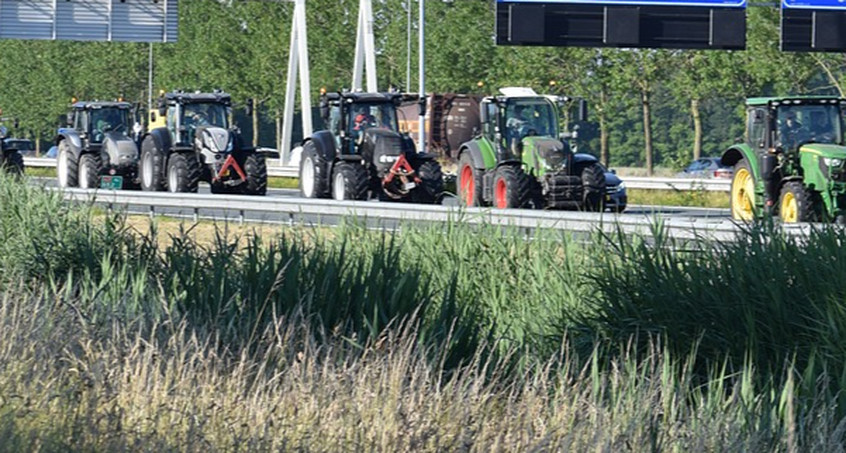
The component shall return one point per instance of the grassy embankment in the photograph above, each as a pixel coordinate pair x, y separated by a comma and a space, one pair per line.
436, 339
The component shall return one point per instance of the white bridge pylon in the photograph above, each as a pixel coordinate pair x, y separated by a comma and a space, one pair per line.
365, 58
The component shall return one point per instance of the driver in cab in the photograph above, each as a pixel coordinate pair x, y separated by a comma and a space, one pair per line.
792, 132
519, 124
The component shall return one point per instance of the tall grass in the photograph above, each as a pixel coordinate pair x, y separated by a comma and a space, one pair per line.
447, 338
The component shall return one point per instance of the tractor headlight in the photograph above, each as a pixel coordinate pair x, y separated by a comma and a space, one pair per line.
832, 162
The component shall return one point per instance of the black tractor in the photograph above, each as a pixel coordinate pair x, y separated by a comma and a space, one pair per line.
363, 154
191, 140
98, 141
11, 159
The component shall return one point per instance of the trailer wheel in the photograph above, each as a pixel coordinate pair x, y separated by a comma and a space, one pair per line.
593, 183
795, 203
349, 181
89, 171
255, 169
432, 183
469, 181
183, 172
152, 165
511, 187
67, 166
314, 182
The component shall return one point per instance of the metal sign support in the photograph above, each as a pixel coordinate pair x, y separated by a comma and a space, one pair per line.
297, 57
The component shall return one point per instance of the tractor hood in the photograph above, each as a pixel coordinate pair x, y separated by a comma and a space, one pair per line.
553, 153
825, 150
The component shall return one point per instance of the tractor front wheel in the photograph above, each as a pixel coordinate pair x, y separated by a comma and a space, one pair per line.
743, 192
314, 182
469, 183
152, 166
350, 181
511, 187
89, 171
431, 185
183, 172
67, 166
255, 169
795, 203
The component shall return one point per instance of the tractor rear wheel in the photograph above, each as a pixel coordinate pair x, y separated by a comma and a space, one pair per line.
14, 164
255, 169
593, 183
67, 166
89, 171
350, 181
512, 187
469, 182
743, 192
183, 172
431, 185
795, 203
152, 166
314, 181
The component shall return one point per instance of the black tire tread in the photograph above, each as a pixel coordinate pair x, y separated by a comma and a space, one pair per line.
321, 176
158, 181
357, 180
432, 183
187, 165
477, 199
93, 161
519, 186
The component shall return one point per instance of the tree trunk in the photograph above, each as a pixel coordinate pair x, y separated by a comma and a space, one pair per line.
255, 125
37, 144
603, 130
647, 129
697, 128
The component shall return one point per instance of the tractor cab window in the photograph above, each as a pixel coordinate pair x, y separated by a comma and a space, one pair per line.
488, 127
199, 114
529, 117
80, 122
757, 132
106, 120
820, 123
366, 115
335, 124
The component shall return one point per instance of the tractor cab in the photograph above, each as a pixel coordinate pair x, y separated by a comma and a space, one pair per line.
182, 114
350, 115
93, 120
784, 125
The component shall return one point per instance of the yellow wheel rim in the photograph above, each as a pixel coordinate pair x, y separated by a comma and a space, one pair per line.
789, 209
742, 193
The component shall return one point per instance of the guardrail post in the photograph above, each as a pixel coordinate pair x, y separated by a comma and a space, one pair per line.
290, 219
196, 214
152, 212
241, 217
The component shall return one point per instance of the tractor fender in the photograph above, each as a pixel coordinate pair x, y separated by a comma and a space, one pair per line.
584, 158
161, 137
475, 152
734, 154
324, 143
72, 138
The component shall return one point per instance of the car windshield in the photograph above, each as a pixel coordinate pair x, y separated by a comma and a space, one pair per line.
820, 123
109, 119
366, 115
528, 117
205, 114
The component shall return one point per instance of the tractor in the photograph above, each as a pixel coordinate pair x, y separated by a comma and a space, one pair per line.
363, 153
191, 139
97, 141
11, 159
519, 159
793, 162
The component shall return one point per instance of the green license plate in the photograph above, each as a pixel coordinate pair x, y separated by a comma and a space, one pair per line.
111, 182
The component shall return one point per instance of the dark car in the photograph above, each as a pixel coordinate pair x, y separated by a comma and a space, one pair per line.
706, 167
615, 192
22, 145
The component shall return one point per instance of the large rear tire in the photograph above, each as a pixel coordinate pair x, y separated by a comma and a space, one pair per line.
432, 183
593, 183
743, 192
469, 183
512, 187
151, 168
67, 166
255, 169
350, 181
183, 172
314, 179
795, 203
89, 171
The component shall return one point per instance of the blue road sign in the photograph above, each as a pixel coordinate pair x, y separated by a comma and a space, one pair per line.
702, 3
814, 4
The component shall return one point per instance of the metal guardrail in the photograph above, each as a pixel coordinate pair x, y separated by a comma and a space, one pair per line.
294, 209
709, 185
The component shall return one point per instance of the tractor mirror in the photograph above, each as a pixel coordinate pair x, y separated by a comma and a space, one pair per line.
162, 110
583, 110
324, 109
249, 108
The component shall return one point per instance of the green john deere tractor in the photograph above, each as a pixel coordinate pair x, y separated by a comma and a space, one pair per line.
519, 160
793, 163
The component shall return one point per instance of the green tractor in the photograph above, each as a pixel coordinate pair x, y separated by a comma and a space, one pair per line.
793, 163
520, 160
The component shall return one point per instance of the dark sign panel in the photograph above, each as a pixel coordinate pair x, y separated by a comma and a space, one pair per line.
89, 20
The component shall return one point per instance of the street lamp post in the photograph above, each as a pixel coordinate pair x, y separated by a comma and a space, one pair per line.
422, 101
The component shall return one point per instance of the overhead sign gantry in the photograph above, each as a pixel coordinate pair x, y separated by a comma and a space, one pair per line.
813, 25
682, 24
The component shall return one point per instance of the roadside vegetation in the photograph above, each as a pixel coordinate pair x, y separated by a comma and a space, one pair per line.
435, 339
